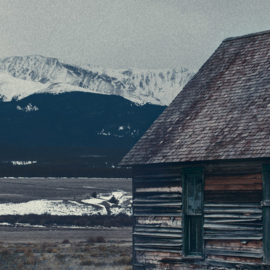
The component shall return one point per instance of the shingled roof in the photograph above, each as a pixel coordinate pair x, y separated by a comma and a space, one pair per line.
222, 113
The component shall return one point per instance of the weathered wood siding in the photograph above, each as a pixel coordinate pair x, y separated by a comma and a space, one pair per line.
157, 209
233, 220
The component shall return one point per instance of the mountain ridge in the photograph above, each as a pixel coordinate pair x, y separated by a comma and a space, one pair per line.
52, 75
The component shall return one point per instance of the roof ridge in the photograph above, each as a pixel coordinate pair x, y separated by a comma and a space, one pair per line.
248, 35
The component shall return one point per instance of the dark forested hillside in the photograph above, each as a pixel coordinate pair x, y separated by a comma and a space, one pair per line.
79, 133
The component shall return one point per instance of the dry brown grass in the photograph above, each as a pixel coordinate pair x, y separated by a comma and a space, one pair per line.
83, 255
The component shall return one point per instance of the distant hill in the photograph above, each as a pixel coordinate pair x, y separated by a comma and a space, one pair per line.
61, 119
75, 127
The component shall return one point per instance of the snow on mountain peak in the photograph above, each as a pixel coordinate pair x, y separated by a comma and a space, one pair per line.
26, 75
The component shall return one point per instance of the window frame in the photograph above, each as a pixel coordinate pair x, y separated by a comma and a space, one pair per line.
186, 254
266, 212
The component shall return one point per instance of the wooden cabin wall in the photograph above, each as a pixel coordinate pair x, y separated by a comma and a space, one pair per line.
232, 217
157, 210
233, 220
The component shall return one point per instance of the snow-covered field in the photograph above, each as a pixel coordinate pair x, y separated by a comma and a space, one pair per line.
92, 206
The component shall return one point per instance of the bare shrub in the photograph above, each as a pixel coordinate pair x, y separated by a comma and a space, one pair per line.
113, 200
91, 239
87, 262
60, 256
5, 252
102, 249
100, 239
99, 263
65, 241
51, 250
94, 254
127, 260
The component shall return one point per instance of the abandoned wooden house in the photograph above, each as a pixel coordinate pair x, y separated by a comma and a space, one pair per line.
201, 173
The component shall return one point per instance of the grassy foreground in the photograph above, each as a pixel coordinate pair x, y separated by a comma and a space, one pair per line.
94, 253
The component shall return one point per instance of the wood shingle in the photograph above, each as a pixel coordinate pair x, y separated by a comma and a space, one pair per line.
222, 113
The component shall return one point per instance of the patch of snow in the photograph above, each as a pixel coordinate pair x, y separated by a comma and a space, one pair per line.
103, 133
92, 206
23, 162
5, 224
28, 108
11, 87
56, 76
57, 207
93, 201
28, 225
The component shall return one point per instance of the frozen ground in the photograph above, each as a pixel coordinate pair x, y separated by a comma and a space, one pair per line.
65, 196
92, 206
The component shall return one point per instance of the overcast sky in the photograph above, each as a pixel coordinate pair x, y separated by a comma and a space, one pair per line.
147, 34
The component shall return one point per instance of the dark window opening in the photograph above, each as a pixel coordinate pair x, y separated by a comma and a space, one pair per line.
193, 212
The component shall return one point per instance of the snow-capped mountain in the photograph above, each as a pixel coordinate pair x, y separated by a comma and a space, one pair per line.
24, 76
75, 120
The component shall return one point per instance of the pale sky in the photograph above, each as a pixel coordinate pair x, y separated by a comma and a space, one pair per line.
146, 34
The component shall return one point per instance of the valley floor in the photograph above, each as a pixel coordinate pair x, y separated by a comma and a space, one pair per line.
50, 247
40, 249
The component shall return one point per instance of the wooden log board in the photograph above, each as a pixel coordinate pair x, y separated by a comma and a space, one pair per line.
153, 208
156, 199
235, 259
159, 195
149, 170
232, 264
149, 184
160, 189
209, 210
156, 234
231, 237
152, 257
156, 179
171, 260
158, 176
228, 196
223, 227
233, 187
156, 226
159, 210
162, 221
232, 181
147, 214
213, 168
234, 233
236, 177
226, 205
158, 244
154, 204
236, 216
155, 229
178, 251
234, 244
235, 250
211, 250
137, 266
233, 253
208, 220
148, 240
